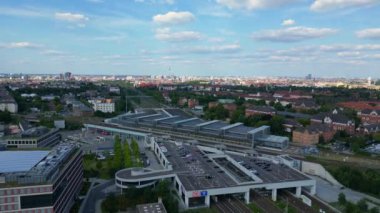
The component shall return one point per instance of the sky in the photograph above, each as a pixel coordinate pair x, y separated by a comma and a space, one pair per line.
326, 38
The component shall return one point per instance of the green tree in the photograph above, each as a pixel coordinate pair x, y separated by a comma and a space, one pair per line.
127, 155
276, 124
342, 199
5, 117
118, 151
110, 204
376, 137
374, 210
99, 165
362, 205
136, 152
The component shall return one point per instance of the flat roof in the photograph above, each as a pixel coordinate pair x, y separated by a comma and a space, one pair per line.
202, 169
20, 161
215, 126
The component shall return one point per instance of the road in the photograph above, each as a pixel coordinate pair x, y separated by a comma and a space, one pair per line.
95, 194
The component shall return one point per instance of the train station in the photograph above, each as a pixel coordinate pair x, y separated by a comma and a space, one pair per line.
176, 120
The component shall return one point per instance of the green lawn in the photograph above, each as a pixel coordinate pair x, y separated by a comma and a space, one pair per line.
255, 208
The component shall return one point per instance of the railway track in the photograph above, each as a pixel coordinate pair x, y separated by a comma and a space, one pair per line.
231, 205
264, 203
295, 202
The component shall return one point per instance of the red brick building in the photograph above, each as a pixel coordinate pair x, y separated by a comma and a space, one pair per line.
260, 110
369, 116
311, 135
336, 120
191, 103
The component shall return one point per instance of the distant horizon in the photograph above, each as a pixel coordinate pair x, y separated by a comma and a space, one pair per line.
214, 76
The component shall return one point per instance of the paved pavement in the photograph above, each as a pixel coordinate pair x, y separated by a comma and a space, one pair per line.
96, 194
329, 193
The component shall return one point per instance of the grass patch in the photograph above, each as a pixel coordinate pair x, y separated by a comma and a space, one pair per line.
283, 206
201, 210
254, 208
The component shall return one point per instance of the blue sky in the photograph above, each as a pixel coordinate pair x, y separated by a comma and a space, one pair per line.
327, 38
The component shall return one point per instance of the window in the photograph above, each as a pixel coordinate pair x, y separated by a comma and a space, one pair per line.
36, 201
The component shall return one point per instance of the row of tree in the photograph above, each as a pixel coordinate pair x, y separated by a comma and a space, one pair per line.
133, 196
127, 154
367, 181
360, 206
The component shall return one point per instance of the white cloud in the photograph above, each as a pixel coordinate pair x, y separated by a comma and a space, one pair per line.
288, 22
226, 48
173, 18
165, 34
71, 17
253, 4
20, 45
21, 12
324, 5
293, 34
372, 33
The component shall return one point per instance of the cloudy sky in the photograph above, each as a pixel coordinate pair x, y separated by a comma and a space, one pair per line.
326, 38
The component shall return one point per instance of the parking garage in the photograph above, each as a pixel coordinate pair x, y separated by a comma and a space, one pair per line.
201, 174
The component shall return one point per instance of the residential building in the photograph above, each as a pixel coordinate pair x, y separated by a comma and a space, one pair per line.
40, 181
34, 138
312, 134
305, 104
2, 130
336, 120
103, 105
369, 116
7, 102
191, 103
290, 124
369, 128
114, 90
260, 110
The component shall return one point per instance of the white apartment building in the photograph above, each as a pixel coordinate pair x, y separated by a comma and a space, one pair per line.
103, 105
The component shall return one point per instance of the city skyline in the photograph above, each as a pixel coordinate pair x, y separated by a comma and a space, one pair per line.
181, 37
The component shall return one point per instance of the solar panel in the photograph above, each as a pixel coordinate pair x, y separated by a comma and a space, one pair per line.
20, 161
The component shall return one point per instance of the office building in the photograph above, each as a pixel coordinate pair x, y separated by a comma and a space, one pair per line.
40, 181
35, 137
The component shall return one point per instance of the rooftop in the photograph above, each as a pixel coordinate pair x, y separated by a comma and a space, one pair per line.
30, 167
203, 168
20, 161
151, 208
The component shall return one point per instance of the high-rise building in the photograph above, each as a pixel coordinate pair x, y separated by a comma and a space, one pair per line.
67, 76
40, 181
309, 77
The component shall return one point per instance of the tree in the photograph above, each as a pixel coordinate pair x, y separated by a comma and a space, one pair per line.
362, 205
5, 117
276, 124
278, 106
374, 210
127, 155
136, 152
118, 151
110, 204
342, 199
376, 137
99, 165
